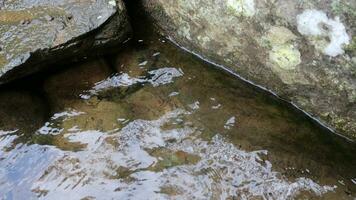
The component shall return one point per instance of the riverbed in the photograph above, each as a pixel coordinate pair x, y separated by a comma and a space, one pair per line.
151, 121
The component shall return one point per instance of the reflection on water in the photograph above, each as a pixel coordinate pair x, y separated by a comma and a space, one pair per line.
154, 123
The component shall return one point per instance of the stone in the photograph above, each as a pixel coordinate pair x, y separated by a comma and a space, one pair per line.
304, 51
38, 34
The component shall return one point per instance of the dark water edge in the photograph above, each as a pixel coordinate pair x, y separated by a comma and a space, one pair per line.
297, 146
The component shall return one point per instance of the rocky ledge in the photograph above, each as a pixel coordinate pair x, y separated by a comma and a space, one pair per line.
305, 51
37, 33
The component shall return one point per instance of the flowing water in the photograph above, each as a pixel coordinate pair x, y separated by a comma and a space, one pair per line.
153, 122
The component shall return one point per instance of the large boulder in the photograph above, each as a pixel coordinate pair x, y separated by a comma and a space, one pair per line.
37, 33
305, 51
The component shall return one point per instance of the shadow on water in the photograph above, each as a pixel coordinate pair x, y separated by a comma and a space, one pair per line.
154, 121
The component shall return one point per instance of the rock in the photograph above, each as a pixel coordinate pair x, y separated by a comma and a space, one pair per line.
40, 33
302, 50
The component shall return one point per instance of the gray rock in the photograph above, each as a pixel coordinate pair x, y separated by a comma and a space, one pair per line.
305, 50
37, 33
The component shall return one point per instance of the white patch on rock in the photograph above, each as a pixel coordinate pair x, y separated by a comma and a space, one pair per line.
316, 23
242, 7
112, 2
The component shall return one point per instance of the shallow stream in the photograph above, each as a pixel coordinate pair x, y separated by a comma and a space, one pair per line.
154, 122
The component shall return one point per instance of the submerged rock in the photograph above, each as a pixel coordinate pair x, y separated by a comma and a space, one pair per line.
302, 50
21, 111
35, 34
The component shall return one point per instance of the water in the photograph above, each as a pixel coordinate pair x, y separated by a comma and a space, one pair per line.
152, 122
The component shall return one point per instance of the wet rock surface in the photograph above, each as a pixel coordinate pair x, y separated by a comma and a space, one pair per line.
36, 34
302, 50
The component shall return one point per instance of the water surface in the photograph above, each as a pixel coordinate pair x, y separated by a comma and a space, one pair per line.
153, 122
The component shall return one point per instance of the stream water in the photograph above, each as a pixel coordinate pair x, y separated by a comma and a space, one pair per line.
154, 122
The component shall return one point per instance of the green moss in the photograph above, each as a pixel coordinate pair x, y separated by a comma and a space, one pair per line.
341, 7
351, 48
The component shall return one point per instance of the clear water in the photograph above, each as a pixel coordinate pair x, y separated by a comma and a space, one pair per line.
153, 122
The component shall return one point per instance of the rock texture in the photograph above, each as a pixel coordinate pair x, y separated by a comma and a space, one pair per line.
37, 33
305, 51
